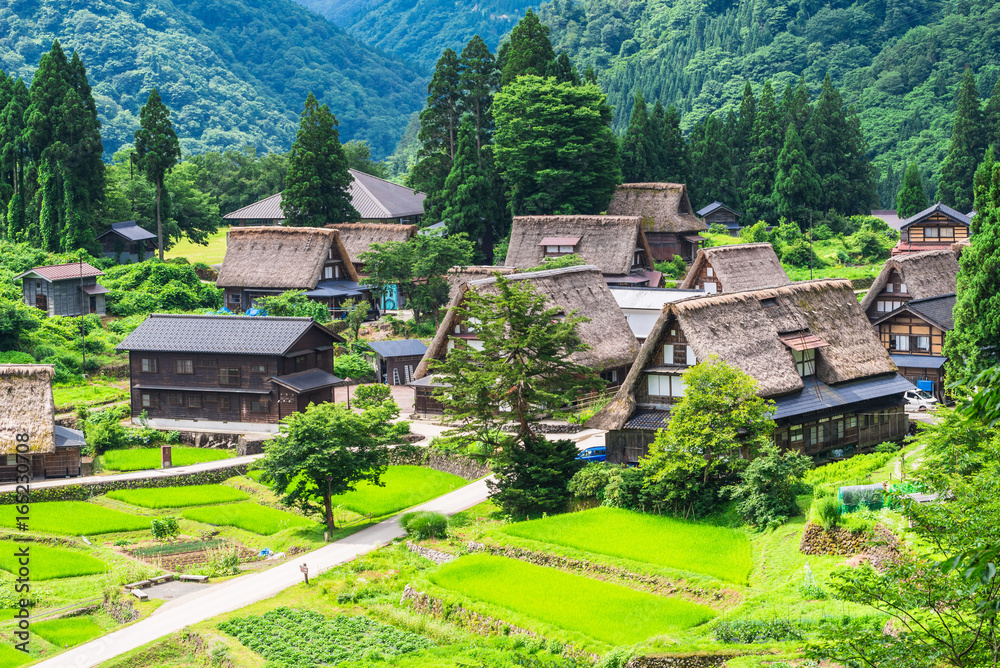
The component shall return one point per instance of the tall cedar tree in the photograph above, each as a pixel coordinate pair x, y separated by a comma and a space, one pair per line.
981, 186
741, 139
710, 151
84, 165
317, 187
479, 80
796, 103
669, 157
438, 134
157, 151
797, 187
637, 145
971, 346
992, 118
562, 69
912, 198
6, 173
554, 147
14, 159
530, 50
768, 139
473, 194
966, 148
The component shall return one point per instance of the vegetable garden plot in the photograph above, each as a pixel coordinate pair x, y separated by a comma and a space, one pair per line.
178, 497
74, 518
50, 563
294, 638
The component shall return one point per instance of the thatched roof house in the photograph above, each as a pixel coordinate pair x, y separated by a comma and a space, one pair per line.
735, 268
910, 276
614, 244
458, 277
808, 346
667, 217
582, 289
359, 237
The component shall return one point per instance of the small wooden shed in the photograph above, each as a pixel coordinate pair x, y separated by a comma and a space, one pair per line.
396, 361
127, 242
64, 289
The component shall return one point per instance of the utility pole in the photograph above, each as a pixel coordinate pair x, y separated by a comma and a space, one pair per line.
83, 311
811, 253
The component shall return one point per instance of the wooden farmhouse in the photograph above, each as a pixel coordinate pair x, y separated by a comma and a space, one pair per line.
127, 242
735, 268
810, 349
267, 261
910, 276
934, 228
230, 373
376, 201
396, 361
718, 213
64, 289
612, 346
26, 407
614, 244
667, 218
359, 237
914, 336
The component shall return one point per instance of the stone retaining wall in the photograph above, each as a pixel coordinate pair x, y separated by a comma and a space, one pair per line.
460, 465
879, 547
214, 440
679, 661
436, 556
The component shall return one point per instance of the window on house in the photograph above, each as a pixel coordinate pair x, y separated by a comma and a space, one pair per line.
902, 342
796, 435
930, 233
229, 376
175, 399
888, 287
610, 377
258, 368
923, 343
680, 355
665, 386
234, 298
148, 400
184, 367
207, 364
709, 271
224, 402
260, 405
711, 287
148, 364
769, 302
805, 361
902, 288
327, 272
947, 232
336, 271
194, 401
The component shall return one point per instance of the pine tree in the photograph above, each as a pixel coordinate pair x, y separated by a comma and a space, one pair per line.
562, 69
797, 187
710, 151
83, 166
6, 175
981, 186
438, 134
669, 156
768, 139
911, 199
530, 50
14, 156
992, 118
741, 139
637, 150
966, 148
797, 105
317, 187
157, 151
479, 81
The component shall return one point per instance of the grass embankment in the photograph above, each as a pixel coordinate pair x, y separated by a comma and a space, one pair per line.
179, 497
720, 552
74, 518
141, 459
404, 487
212, 253
50, 563
248, 516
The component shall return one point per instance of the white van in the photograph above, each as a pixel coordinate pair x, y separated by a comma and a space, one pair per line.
920, 400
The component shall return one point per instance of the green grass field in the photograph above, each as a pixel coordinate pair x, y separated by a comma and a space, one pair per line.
74, 518
67, 632
49, 563
213, 253
178, 497
247, 515
607, 612
68, 397
405, 486
716, 551
10, 657
139, 459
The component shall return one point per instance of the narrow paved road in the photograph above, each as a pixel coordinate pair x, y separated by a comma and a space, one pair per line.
247, 589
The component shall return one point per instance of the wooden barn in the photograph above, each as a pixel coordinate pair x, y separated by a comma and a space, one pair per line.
718, 213
914, 336
127, 242
359, 237
267, 261
26, 407
935, 228
612, 345
667, 218
810, 349
229, 373
64, 289
616, 245
396, 361
910, 276
735, 268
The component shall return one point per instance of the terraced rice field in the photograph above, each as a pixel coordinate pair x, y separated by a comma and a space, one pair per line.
50, 563
178, 497
247, 515
74, 518
405, 487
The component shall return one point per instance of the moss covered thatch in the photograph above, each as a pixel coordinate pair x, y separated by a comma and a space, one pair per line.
606, 242
739, 267
927, 274
459, 276
358, 237
26, 406
663, 207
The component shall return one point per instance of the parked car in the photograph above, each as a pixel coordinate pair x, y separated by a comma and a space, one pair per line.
920, 400
593, 454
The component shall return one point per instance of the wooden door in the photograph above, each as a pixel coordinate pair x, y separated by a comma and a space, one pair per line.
42, 302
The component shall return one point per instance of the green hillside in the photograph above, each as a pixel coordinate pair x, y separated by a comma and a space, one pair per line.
232, 71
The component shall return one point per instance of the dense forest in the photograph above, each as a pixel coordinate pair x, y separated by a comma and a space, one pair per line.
233, 72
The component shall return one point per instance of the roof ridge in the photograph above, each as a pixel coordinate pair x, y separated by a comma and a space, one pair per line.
930, 299
269, 318
361, 185
520, 276
379, 178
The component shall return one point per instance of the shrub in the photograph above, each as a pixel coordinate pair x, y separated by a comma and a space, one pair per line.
533, 479
787, 232
756, 233
765, 497
827, 512
590, 481
822, 232
717, 228
746, 631
223, 562
673, 268
423, 524
16, 357
798, 254
370, 396
165, 528
354, 367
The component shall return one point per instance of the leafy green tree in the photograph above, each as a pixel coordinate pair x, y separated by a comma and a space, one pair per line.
765, 495
637, 146
355, 314
317, 187
327, 450
912, 199
192, 213
562, 69
479, 80
293, 303
796, 187
554, 148
359, 157
768, 138
157, 151
966, 148
530, 50
981, 187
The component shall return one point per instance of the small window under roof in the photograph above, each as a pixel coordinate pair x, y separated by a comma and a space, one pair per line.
802, 340
768, 302
559, 241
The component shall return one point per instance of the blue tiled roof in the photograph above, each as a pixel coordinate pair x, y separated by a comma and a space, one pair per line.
216, 334
335, 288
130, 231
818, 396
918, 361
68, 438
308, 380
647, 419
398, 348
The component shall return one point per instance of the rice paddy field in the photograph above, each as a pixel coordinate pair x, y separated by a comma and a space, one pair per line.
601, 610
247, 515
74, 518
178, 497
139, 459
50, 563
10, 657
68, 631
718, 552
404, 487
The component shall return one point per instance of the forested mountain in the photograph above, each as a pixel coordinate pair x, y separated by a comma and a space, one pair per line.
231, 71
898, 62
422, 29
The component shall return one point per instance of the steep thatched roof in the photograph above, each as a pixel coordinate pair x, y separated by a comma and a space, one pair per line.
739, 267
926, 274
607, 242
663, 207
358, 237
26, 406
743, 329
280, 258
459, 276
582, 289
